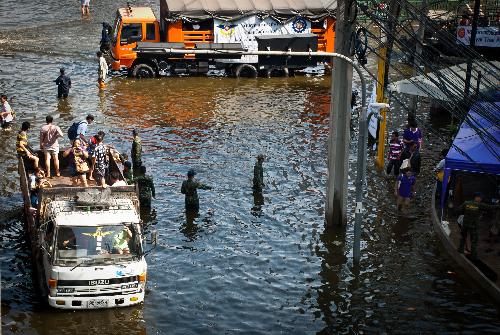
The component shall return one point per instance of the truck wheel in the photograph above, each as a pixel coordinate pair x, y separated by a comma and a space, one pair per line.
143, 71
275, 72
245, 70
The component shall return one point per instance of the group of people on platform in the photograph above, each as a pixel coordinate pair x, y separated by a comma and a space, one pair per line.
88, 159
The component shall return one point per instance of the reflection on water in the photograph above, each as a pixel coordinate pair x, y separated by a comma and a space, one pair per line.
253, 263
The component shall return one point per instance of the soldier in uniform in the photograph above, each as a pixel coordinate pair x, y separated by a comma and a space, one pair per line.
258, 174
136, 153
127, 172
146, 188
472, 215
189, 188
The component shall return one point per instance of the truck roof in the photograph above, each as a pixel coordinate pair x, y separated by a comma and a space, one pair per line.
137, 14
70, 213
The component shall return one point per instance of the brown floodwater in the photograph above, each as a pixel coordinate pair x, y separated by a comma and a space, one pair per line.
248, 264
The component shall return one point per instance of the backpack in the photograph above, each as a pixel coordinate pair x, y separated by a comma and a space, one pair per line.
73, 130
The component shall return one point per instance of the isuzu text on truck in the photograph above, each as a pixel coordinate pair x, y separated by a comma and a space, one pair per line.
139, 42
86, 242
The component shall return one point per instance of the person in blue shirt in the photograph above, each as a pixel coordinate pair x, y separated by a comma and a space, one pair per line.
404, 189
63, 83
412, 134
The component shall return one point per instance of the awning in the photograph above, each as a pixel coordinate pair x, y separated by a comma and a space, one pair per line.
476, 147
198, 10
451, 81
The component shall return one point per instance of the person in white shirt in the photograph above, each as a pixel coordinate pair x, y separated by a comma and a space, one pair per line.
6, 116
103, 70
49, 143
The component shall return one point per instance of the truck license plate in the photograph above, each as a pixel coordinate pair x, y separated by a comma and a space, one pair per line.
97, 303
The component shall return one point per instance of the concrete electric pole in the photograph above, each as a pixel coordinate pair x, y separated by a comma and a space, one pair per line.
340, 117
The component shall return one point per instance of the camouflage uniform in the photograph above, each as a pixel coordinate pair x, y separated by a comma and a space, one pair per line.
472, 215
258, 176
136, 155
128, 177
146, 190
189, 188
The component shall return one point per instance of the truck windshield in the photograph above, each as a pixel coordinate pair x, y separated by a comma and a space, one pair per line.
116, 27
97, 244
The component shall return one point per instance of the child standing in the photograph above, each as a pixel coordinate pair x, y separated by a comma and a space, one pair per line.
404, 188
396, 147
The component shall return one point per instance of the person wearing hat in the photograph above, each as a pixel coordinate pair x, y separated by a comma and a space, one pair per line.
472, 212
63, 83
190, 189
258, 174
136, 153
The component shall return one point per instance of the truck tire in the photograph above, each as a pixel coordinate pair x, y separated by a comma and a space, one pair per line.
276, 72
245, 70
143, 70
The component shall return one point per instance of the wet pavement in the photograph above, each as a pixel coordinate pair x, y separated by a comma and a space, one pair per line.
248, 264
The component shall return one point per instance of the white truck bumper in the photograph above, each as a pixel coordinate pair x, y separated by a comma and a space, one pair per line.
76, 302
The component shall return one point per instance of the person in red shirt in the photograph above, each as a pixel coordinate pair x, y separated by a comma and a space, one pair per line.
396, 147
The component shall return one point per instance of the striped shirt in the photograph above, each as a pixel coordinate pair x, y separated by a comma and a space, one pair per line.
395, 149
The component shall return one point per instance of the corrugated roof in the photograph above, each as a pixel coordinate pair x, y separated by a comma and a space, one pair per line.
250, 5
234, 9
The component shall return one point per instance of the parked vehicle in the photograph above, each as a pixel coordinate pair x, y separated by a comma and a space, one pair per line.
86, 242
140, 42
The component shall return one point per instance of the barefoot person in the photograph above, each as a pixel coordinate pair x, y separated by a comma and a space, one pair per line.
49, 144
78, 162
404, 188
85, 7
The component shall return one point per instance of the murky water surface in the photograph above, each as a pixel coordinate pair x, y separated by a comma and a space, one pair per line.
247, 264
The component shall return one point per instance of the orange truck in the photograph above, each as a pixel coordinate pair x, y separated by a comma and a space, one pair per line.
139, 42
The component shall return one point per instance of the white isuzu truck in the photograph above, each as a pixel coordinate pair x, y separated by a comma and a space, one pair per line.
86, 242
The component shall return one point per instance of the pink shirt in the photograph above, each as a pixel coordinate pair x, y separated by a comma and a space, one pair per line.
49, 135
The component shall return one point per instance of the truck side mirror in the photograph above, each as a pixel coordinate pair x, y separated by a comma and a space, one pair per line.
153, 237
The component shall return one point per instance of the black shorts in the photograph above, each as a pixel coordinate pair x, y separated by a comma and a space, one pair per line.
5, 125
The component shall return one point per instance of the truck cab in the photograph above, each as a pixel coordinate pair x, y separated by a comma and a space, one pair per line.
92, 254
132, 25
86, 242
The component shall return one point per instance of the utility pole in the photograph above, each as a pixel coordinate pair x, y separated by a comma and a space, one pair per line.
340, 118
418, 54
394, 9
472, 43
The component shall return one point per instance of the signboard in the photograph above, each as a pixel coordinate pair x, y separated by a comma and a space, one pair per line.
485, 37
244, 31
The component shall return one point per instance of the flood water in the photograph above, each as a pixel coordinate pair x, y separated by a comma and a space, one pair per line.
247, 264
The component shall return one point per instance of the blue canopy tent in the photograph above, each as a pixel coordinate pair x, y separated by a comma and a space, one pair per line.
472, 151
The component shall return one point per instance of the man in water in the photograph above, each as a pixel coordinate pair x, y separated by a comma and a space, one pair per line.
6, 114
190, 189
136, 153
63, 83
146, 188
102, 71
258, 174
